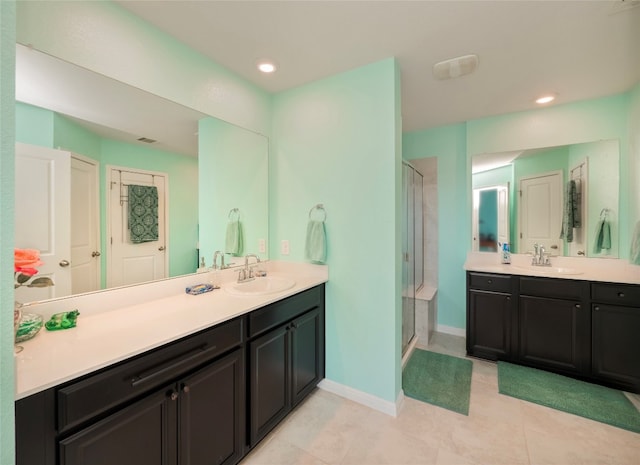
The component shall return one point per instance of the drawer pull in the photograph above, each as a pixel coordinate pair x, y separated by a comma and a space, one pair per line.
173, 395
489, 281
596, 308
578, 306
151, 374
185, 389
620, 294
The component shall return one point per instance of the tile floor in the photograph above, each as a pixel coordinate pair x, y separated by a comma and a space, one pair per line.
327, 429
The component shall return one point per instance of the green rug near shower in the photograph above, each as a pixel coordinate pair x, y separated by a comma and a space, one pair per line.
438, 379
570, 395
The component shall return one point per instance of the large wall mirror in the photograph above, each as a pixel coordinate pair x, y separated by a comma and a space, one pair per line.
110, 136
565, 198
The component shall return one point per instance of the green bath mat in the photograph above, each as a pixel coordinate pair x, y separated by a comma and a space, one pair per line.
438, 379
570, 395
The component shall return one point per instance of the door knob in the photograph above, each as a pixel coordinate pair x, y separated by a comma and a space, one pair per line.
580, 252
63, 263
95, 254
161, 248
554, 246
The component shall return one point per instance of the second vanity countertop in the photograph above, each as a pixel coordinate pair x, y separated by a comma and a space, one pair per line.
105, 336
587, 269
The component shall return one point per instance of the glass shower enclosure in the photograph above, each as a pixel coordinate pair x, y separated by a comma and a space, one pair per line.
412, 248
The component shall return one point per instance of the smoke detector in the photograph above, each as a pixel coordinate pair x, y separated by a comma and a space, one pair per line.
455, 67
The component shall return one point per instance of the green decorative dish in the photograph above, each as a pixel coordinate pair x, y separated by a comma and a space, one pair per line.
30, 324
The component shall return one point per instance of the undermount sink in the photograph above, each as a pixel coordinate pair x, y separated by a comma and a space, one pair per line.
260, 286
549, 270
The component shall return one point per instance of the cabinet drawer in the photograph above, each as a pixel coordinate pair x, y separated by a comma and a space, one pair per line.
280, 312
82, 400
554, 288
617, 294
490, 282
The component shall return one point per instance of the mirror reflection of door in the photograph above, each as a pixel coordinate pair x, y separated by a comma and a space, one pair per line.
540, 212
42, 199
490, 218
128, 262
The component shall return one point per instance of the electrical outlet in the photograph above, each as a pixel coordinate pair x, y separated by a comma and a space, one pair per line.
284, 247
262, 246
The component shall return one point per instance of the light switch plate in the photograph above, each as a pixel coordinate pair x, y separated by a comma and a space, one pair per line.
262, 245
284, 247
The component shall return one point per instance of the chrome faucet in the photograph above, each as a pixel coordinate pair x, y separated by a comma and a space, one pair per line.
540, 258
215, 261
246, 273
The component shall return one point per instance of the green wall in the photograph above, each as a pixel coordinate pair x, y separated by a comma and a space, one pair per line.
60, 132
336, 142
7, 164
234, 173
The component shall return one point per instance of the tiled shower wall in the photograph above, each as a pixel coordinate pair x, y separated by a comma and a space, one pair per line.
429, 169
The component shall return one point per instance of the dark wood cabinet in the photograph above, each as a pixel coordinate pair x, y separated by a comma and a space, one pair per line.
142, 434
554, 334
490, 316
584, 329
191, 402
285, 363
616, 335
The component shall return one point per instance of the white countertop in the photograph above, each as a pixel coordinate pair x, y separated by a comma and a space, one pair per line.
588, 269
117, 324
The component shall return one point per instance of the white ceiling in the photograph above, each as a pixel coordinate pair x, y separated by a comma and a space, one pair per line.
577, 49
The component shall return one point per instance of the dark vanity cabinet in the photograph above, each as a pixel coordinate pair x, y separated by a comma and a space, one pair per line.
615, 311
286, 358
490, 315
554, 324
191, 402
588, 330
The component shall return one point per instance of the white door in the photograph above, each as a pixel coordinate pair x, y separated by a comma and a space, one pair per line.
541, 213
42, 202
129, 263
85, 231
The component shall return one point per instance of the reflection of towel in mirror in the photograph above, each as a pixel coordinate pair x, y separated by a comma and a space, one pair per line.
603, 237
234, 240
571, 211
634, 254
316, 243
143, 213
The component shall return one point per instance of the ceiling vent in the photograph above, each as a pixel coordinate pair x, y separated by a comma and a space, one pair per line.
147, 140
455, 67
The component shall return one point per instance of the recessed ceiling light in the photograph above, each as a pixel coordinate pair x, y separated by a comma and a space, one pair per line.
266, 66
546, 99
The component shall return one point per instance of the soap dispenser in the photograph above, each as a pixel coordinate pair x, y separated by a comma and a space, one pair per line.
506, 254
202, 268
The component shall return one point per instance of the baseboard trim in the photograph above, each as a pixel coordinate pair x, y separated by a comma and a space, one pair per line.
364, 398
451, 330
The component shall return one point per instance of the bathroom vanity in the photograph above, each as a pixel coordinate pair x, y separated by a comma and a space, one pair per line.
206, 397
572, 322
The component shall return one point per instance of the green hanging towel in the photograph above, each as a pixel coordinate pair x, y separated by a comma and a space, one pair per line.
234, 240
603, 237
143, 213
316, 243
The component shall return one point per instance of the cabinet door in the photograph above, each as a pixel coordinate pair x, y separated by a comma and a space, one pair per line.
211, 413
554, 334
141, 434
489, 325
306, 355
616, 345
269, 382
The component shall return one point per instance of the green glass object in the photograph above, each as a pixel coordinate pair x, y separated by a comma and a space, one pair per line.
30, 324
63, 320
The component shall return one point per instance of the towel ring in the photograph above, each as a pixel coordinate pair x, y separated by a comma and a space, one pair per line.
319, 207
604, 213
232, 211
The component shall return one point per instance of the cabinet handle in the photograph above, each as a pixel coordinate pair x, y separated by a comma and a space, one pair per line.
596, 308
620, 294
294, 325
187, 357
578, 306
508, 298
489, 281
174, 395
185, 389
